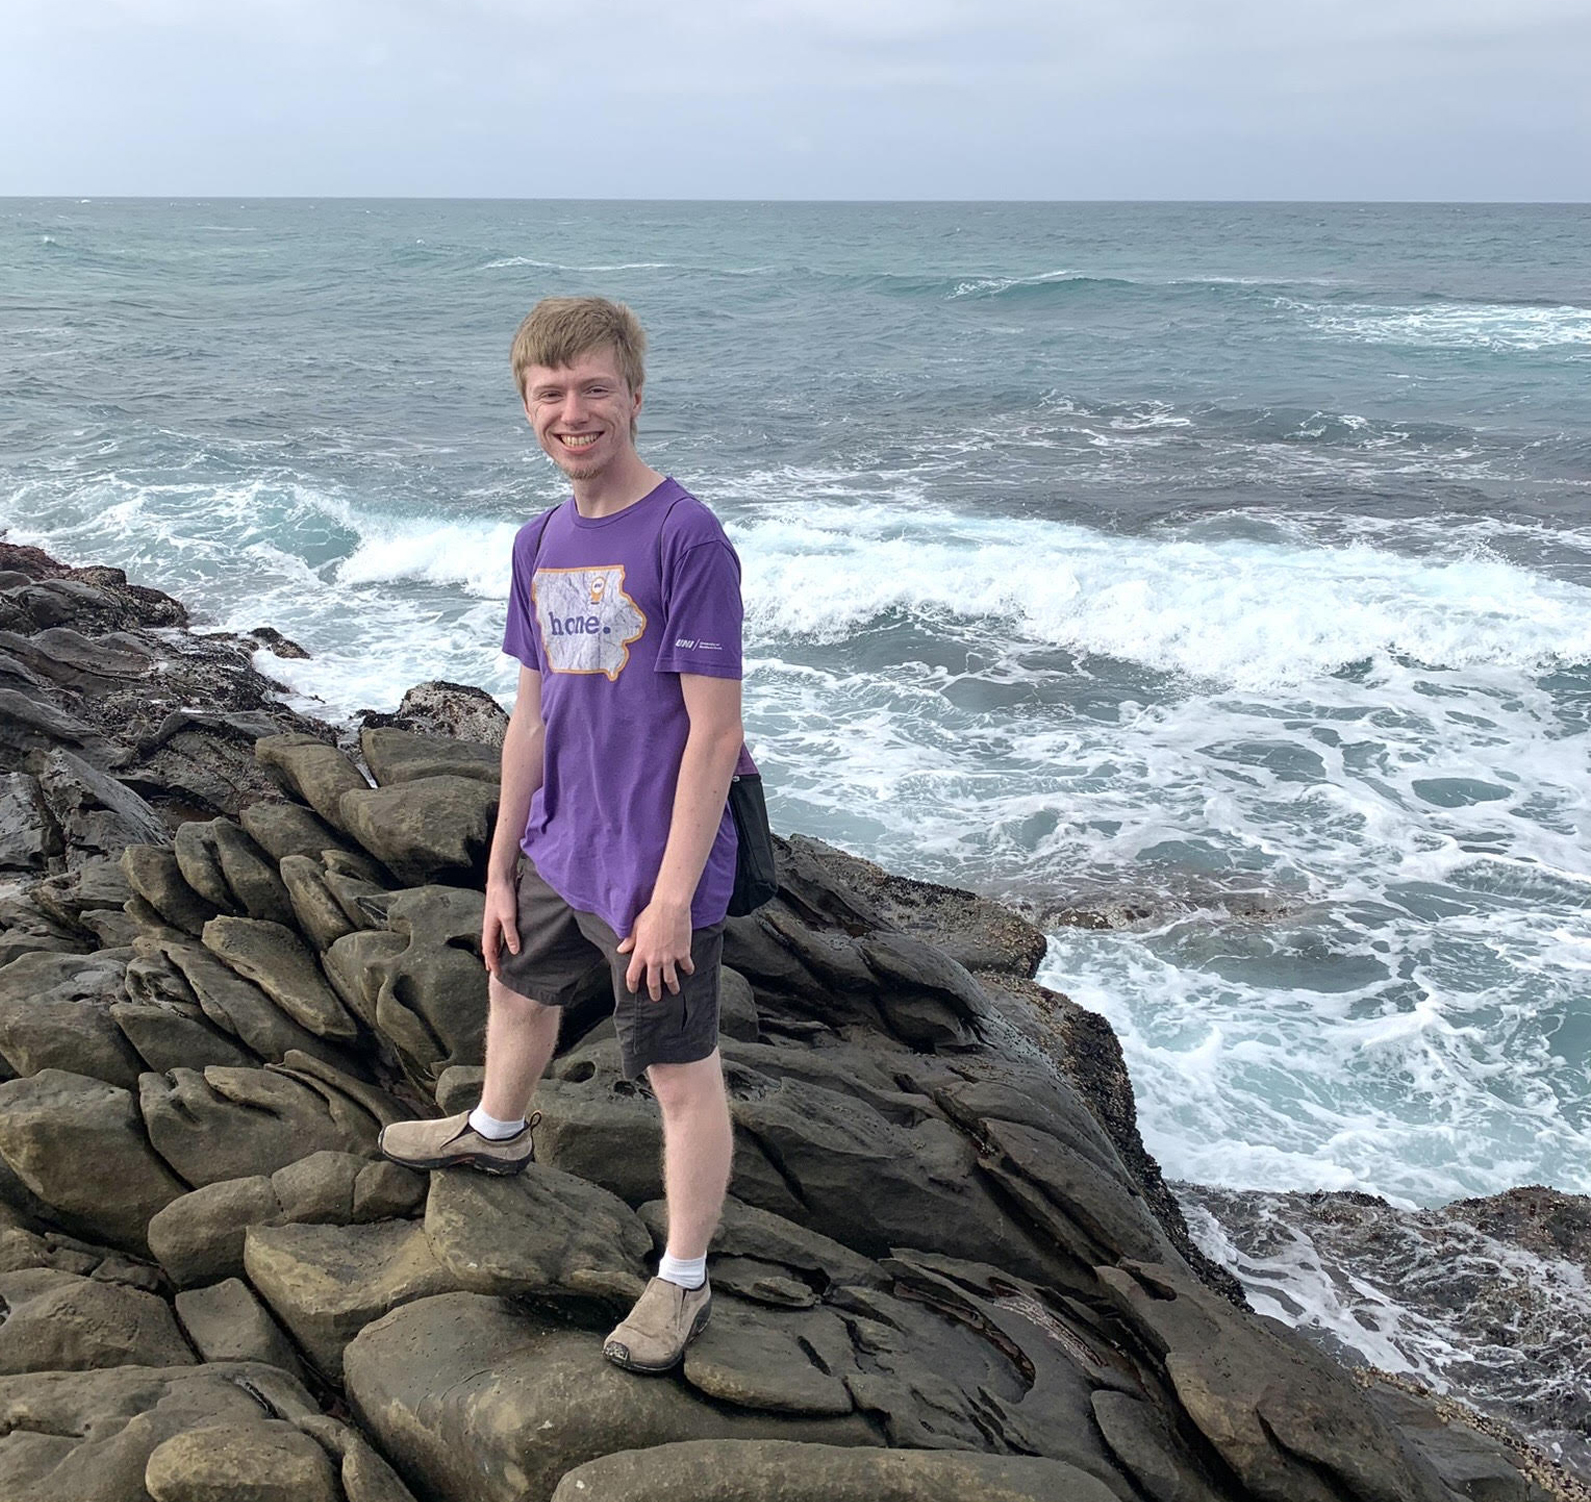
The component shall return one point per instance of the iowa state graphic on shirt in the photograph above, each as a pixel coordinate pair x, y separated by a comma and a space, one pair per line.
587, 621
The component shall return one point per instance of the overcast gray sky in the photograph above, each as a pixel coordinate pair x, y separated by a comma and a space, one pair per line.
1487, 99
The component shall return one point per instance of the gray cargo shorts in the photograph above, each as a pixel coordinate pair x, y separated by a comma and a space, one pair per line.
558, 949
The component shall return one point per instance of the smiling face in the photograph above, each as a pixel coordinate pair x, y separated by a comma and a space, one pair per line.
583, 414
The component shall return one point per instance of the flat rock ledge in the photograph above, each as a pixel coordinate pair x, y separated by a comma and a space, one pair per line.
233, 947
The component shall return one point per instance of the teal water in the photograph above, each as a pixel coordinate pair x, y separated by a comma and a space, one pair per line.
1225, 565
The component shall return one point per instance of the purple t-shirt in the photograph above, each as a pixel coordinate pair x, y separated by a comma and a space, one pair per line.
610, 633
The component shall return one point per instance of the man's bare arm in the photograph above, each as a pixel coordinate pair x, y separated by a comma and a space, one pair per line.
521, 776
660, 943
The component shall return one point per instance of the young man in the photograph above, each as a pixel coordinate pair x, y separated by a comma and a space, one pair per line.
613, 839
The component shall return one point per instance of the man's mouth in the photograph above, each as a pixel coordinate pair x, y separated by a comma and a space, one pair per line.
578, 440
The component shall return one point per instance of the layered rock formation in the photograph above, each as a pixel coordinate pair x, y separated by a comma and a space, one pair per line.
234, 950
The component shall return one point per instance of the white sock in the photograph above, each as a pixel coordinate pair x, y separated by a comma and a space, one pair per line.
491, 1127
688, 1272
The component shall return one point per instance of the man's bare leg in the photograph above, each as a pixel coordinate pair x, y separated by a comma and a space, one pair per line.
521, 1035
698, 1144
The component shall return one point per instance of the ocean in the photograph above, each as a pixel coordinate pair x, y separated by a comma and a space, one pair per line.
1215, 577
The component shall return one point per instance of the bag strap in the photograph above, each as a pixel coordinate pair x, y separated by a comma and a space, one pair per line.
535, 552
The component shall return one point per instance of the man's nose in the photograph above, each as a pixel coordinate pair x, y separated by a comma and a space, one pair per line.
574, 408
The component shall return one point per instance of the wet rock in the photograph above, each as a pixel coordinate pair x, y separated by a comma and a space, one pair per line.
737, 1006
29, 835
472, 1397
58, 1322
29, 725
403, 756
25, 928
96, 814
275, 959
326, 1283
777, 1470
435, 829
438, 707
92, 889
827, 1144
265, 1461
1143, 1441
226, 1322
1087, 1211
79, 1145
1472, 1463
82, 662
540, 1231
1289, 1423
318, 773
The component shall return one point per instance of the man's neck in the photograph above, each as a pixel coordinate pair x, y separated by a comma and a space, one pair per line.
619, 486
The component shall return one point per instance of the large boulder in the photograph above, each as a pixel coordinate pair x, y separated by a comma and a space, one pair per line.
434, 829
395, 755
320, 774
58, 1321
235, 1005
199, 1237
1291, 1425
455, 710
79, 1145
326, 1283
474, 1398
91, 1436
541, 1232
427, 994
153, 873
227, 1322
284, 829
260, 1461
781, 1470
275, 959
220, 862
55, 1013
219, 1123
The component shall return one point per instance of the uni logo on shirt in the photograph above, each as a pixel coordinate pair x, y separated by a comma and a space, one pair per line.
587, 621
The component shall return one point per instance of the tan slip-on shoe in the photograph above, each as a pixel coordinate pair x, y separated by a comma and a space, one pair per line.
453, 1141
654, 1334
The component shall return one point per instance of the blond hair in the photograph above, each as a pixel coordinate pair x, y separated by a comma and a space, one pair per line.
558, 330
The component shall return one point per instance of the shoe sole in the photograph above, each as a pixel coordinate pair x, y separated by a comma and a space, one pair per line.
496, 1166
631, 1365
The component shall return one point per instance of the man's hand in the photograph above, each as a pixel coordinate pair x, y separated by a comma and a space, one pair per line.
659, 947
499, 923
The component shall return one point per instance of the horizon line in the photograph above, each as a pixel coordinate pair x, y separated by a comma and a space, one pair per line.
82, 198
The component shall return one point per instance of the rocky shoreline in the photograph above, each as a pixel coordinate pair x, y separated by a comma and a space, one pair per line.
235, 941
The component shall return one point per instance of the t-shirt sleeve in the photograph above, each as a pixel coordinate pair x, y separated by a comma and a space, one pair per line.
702, 613
519, 635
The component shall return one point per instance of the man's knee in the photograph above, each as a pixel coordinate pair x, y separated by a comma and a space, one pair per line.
514, 1003
686, 1087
